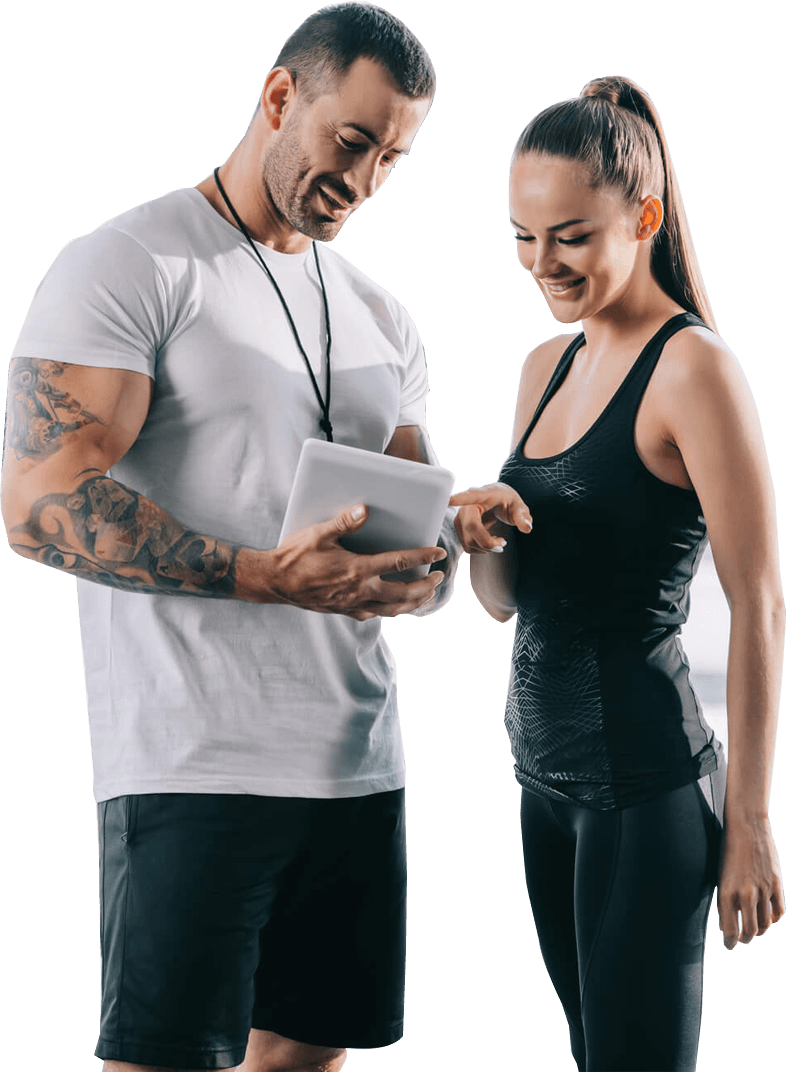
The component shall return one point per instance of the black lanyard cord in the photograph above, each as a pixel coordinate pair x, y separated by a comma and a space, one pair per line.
325, 422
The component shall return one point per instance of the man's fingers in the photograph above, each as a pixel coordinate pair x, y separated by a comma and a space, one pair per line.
349, 520
400, 561
389, 593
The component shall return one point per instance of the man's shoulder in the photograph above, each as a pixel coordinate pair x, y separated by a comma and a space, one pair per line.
138, 235
161, 226
157, 240
364, 287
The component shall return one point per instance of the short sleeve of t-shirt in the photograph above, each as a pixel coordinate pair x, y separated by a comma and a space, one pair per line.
102, 304
412, 405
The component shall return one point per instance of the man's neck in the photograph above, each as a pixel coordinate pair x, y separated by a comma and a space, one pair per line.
242, 182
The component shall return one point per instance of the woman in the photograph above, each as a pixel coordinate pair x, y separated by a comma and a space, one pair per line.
633, 442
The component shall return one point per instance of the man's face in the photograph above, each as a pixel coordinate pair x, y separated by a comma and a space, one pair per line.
332, 153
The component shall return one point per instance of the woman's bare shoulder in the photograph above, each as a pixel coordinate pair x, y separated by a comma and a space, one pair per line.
554, 346
539, 364
548, 353
536, 372
700, 382
697, 358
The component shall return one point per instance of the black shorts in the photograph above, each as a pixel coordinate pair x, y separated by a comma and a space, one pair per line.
220, 913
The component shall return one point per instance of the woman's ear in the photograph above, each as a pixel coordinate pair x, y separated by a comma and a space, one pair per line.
650, 218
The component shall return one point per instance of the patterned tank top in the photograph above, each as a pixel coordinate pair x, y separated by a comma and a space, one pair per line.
601, 710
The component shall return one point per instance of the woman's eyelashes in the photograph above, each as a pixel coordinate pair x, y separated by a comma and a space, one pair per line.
577, 241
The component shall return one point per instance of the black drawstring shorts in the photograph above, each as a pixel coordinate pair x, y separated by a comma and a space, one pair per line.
220, 913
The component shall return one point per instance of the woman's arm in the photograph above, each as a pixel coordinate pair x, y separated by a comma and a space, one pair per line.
713, 423
485, 513
493, 577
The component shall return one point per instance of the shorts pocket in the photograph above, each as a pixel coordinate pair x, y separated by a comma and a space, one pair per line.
131, 812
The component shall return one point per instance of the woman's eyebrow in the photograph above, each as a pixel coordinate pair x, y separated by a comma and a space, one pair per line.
556, 227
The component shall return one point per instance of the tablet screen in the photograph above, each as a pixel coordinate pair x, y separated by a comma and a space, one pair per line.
406, 500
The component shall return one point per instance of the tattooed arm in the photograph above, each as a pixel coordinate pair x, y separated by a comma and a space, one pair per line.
68, 424
60, 507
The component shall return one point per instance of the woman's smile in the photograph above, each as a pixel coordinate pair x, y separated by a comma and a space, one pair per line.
562, 288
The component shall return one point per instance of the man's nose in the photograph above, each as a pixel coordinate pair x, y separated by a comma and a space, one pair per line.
364, 177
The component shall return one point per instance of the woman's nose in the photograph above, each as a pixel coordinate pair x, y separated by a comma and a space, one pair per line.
546, 260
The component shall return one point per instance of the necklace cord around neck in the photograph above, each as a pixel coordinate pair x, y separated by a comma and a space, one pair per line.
324, 403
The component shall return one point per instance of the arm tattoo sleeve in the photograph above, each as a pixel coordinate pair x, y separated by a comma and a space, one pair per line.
39, 413
107, 533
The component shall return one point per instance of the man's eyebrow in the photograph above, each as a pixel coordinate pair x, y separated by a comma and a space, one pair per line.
373, 138
556, 227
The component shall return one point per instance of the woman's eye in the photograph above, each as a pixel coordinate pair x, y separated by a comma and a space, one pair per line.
577, 241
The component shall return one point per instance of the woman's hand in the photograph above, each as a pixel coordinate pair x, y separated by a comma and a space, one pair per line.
750, 882
483, 515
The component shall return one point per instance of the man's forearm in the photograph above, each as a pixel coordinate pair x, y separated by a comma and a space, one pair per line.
448, 565
106, 532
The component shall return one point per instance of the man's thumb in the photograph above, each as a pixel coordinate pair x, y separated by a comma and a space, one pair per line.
349, 520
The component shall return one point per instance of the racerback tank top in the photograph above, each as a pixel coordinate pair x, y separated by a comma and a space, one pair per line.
600, 710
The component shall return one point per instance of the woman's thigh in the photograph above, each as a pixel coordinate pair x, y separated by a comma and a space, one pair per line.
643, 888
549, 862
620, 901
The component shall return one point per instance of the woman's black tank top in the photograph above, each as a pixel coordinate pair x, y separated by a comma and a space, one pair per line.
600, 708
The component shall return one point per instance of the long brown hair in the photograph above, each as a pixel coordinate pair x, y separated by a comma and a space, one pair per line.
613, 129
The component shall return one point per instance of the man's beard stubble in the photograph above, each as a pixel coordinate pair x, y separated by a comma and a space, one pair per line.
285, 165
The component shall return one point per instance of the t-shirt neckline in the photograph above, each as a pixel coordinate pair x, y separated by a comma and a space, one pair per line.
273, 255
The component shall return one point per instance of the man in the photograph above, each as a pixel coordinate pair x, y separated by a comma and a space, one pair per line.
247, 755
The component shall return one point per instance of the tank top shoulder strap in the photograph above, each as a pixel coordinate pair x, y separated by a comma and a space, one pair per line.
558, 375
627, 399
642, 371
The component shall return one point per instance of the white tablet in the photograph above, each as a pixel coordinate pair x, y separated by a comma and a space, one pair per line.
406, 500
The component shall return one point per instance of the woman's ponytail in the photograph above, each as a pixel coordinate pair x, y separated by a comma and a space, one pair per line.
614, 129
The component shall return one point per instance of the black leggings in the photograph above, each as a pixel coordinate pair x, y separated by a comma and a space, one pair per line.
620, 900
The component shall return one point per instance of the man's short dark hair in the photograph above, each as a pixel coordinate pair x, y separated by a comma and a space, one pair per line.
326, 45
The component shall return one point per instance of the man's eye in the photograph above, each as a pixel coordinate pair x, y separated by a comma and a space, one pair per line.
362, 147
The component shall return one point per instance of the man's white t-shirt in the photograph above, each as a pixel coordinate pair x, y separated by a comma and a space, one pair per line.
199, 695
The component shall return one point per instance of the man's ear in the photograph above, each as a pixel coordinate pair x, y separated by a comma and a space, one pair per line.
278, 94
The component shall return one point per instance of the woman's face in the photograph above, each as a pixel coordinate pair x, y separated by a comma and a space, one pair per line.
579, 243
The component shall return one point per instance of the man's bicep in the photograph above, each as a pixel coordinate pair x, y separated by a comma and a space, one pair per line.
62, 419
411, 441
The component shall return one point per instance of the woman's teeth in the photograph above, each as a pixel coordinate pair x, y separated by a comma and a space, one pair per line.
560, 288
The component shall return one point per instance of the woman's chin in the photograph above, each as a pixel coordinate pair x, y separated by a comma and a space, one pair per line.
563, 317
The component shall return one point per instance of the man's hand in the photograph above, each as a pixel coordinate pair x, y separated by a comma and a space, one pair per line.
313, 571
484, 515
